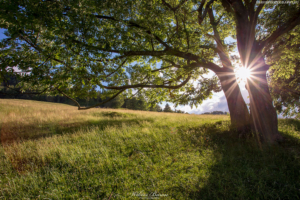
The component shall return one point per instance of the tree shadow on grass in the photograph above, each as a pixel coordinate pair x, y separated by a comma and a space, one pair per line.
243, 168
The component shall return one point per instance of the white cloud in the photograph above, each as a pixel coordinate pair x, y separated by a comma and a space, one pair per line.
217, 103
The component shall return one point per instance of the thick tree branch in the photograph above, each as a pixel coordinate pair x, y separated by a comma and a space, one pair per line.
258, 10
201, 7
245, 38
173, 52
148, 86
227, 5
101, 103
85, 108
220, 48
239, 8
215, 68
201, 15
168, 60
209, 65
175, 8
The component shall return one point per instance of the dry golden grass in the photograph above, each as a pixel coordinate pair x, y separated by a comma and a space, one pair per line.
24, 121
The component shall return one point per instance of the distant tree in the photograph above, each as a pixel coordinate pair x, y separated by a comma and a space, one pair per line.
141, 104
131, 103
155, 108
179, 111
217, 113
137, 103
115, 103
167, 108
158, 108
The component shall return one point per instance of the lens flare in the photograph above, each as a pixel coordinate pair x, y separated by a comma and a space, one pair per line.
242, 74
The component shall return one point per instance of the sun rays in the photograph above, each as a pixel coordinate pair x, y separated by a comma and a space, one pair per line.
242, 74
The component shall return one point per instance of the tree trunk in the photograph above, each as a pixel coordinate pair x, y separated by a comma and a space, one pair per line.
263, 113
240, 117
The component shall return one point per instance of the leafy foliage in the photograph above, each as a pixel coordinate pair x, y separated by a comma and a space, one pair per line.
77, 46
284, 77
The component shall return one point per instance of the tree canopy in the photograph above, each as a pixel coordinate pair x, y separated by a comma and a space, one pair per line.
75, 46
284, 76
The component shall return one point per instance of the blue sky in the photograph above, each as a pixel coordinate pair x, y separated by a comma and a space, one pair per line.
2, 33
216, 103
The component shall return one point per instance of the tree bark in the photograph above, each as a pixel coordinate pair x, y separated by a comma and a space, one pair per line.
263, 114
239, 114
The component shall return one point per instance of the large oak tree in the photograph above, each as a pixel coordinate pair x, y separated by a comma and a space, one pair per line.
162, 48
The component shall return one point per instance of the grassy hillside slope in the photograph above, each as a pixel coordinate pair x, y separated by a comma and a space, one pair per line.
54, 151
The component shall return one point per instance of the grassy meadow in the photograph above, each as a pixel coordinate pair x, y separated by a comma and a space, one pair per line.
54, 151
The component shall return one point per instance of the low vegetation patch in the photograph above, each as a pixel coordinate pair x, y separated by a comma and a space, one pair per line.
113, 114
54, 151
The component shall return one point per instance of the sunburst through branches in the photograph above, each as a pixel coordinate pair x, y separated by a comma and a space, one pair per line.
242, 74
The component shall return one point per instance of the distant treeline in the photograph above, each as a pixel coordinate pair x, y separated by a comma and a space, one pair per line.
215, 113
135, 103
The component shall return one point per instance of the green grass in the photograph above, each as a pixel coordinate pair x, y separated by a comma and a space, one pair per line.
53, 151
